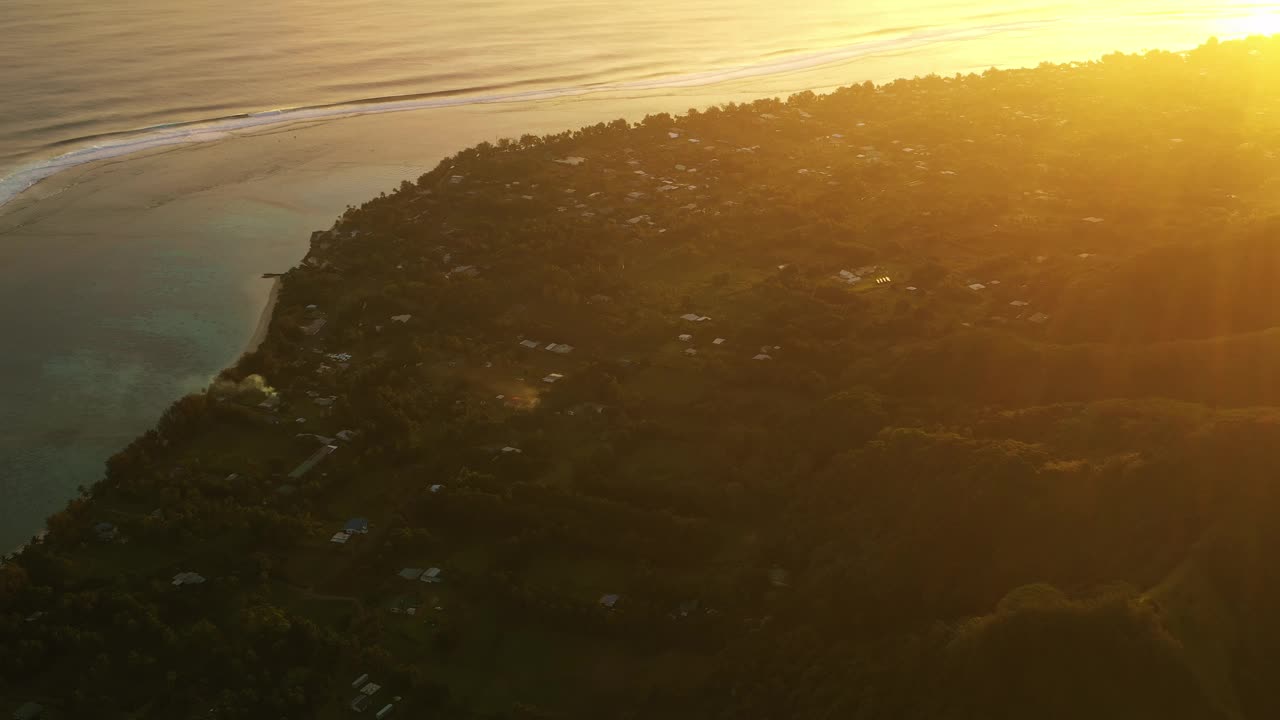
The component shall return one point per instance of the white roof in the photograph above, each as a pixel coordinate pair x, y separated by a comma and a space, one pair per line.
340, 538
529, 343
690, 351
762, 356
1094, 220
686, 337
977, 286
718, 341
1019, 303
400, 318
571, 160
436, 488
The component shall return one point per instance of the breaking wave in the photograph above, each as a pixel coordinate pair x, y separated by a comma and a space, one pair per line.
107, 146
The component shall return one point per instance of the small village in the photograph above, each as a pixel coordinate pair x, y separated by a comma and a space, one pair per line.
556, 408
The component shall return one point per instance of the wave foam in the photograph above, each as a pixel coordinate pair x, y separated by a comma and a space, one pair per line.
120, 144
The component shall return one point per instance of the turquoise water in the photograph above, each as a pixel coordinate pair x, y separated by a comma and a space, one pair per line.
125, 283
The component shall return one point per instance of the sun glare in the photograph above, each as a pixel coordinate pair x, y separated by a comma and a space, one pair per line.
1264, 22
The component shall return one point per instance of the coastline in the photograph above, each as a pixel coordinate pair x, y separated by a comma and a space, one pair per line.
264, 320
287, 180
487, 629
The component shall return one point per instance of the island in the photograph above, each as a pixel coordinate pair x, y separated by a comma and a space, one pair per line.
952, 397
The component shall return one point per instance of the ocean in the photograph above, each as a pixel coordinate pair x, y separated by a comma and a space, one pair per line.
156, 158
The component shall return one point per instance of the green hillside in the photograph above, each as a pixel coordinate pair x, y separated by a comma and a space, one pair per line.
948, 398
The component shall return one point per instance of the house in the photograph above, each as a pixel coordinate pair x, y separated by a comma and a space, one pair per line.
694, 317
360, 681
271, 403
1093, 220
360, 703
1039, 318
690, 351
105, 531
370, 689
531, 344
571, 160
432, 575
779, 577
436, 488
340, 537
312, 461
762, 356
401, 318
718, 341
411, 573
883, 280
314, 326
346, 435
356, 525
560, 349
977, 286
553, 378
511, 449
685, 337
1019, 303
187, 578
29, 711
609, 601
385, 711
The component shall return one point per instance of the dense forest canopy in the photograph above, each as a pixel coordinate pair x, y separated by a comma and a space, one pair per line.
948, 398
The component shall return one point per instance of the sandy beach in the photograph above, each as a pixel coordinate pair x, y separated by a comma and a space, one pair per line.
264, 322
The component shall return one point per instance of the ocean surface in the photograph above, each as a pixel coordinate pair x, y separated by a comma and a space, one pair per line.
157, 157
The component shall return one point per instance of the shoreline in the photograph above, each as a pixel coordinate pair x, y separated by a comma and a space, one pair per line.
264, 320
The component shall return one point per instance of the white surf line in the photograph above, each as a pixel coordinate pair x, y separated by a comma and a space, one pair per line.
17, 182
